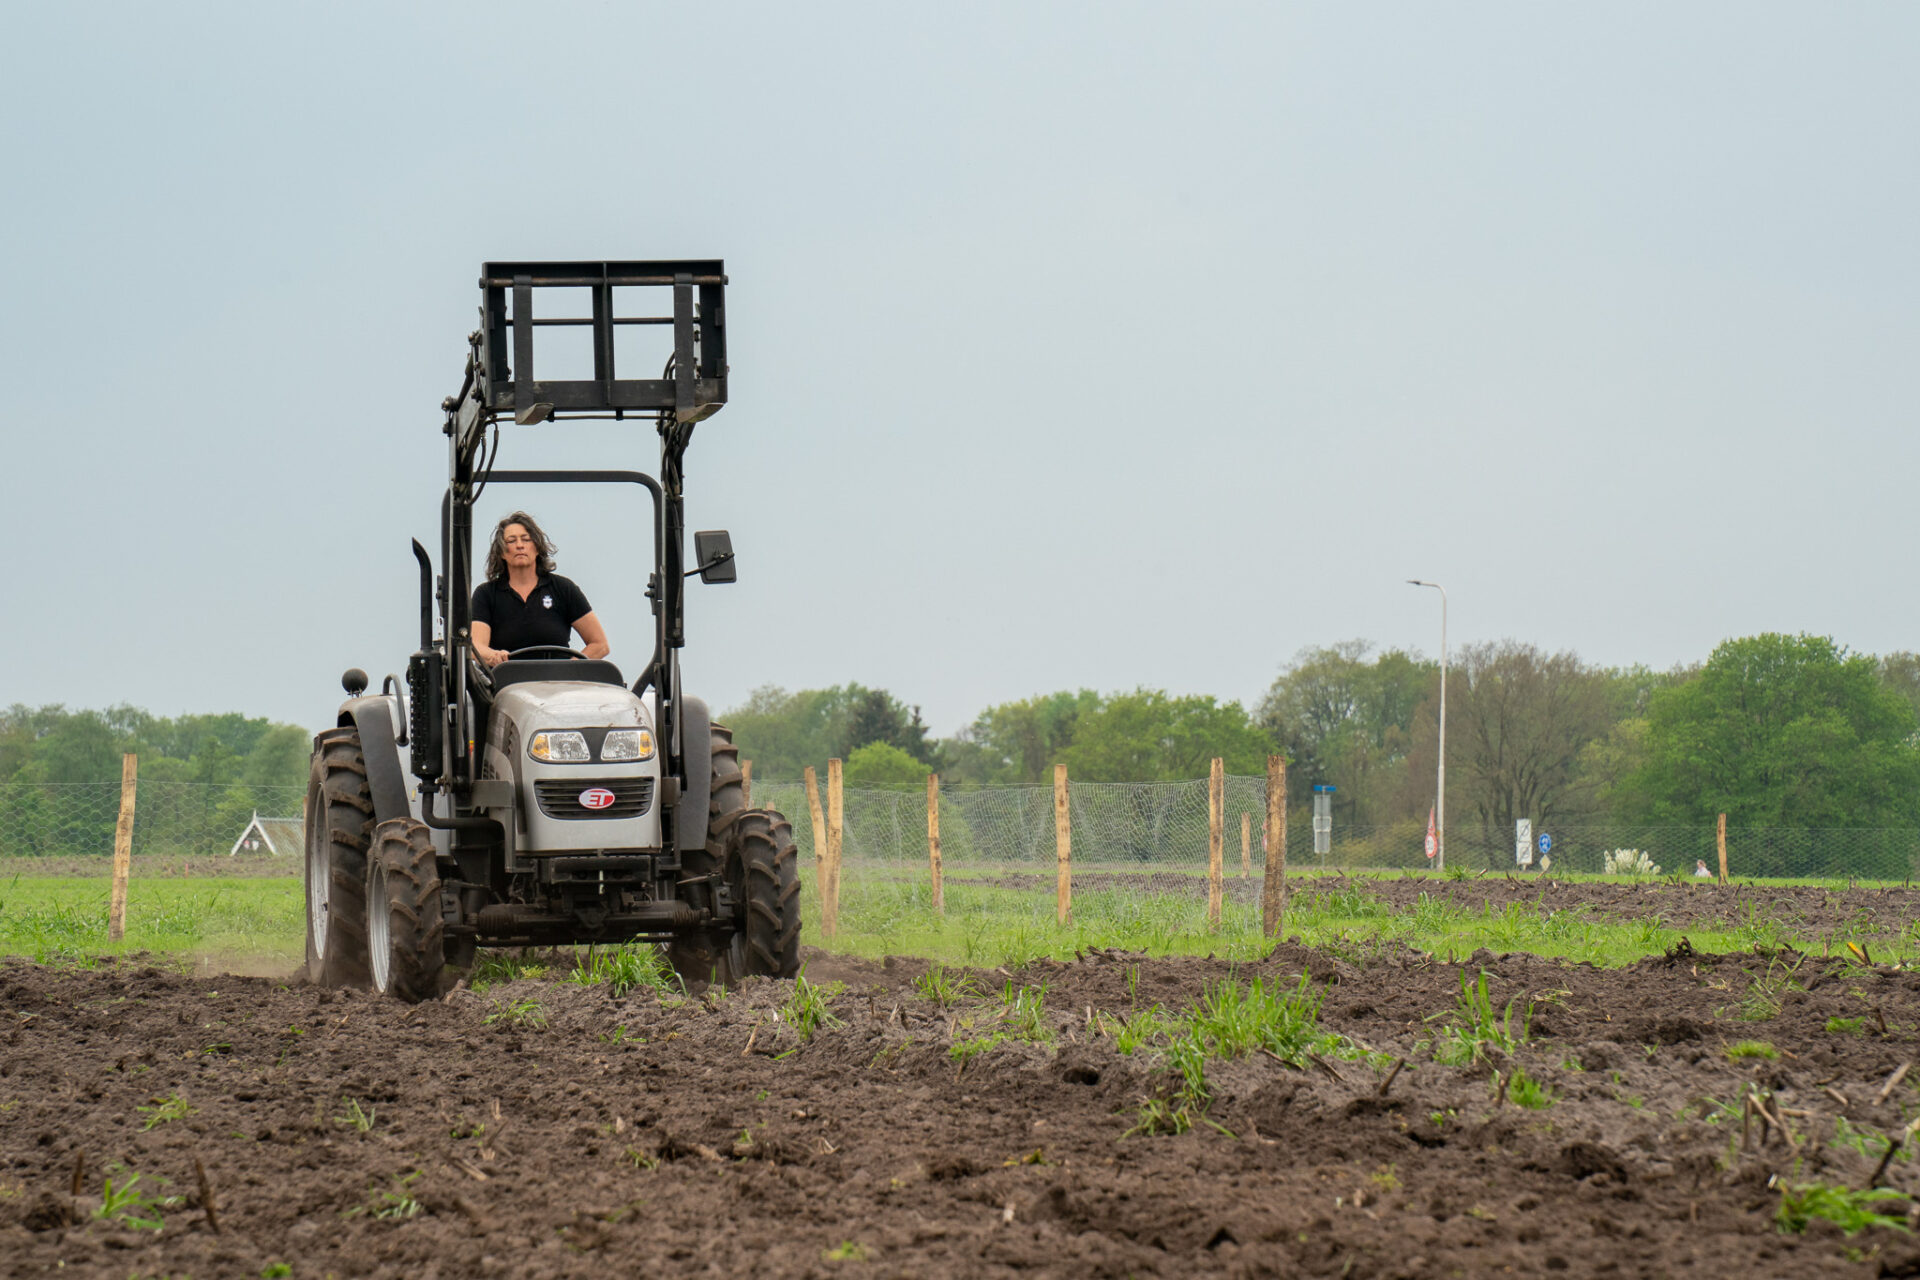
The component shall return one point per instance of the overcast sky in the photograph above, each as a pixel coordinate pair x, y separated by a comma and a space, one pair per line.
1093, 345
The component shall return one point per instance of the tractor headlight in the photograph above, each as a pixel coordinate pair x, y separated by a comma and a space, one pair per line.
564, 746
627, 744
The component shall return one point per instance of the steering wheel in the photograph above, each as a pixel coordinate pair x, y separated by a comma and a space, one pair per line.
546, 650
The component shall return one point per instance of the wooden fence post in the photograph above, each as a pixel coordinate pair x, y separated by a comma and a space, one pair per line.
1062, 846
1720, 842
122, 850
746, 783
819, 828
1216, 801
1246, 846
1273, 893
836, 829
933, 842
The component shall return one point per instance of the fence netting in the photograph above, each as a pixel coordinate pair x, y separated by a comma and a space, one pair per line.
170, 819
1161, 826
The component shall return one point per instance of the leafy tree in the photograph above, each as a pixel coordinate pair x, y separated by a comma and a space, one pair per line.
1901, 673
874, 715
1018, 741
783, 733
1342, 719
1521, 723
881, 764
1151, 736
1782, 731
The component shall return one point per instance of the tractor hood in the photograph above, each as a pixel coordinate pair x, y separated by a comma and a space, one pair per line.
553, 809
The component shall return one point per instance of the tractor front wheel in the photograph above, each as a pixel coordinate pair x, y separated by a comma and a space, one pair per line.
406, 935
339, 823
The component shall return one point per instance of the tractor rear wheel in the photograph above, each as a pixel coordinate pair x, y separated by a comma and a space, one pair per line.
406, 934
763, 876
339, 824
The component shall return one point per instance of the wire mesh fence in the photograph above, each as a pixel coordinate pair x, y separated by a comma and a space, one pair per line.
1166, 826
170, 819
1159, 826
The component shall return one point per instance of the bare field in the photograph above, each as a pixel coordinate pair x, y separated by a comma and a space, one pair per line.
1658, 1119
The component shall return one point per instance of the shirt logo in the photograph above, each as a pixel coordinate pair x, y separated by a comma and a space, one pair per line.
546, 602
596, 798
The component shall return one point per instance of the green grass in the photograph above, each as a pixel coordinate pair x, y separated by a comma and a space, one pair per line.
1524, 1091
1474, 1030
1742, 1049
888, 911
51, 919
1853, 1211
810, 1009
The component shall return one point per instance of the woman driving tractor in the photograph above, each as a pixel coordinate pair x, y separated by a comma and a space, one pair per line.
524, 604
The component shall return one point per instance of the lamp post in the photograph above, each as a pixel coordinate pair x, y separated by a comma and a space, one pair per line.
1440, 805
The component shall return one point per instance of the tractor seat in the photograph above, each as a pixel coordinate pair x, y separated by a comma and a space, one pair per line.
575, 670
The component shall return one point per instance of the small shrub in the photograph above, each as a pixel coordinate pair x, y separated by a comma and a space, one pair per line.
846, 1251
1629, 862
355, 1116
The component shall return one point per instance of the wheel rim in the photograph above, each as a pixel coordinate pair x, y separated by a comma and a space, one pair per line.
319, 882
380, 952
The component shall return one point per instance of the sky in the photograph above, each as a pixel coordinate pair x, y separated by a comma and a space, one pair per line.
1072, 345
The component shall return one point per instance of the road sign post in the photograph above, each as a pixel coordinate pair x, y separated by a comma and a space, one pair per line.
1322, 819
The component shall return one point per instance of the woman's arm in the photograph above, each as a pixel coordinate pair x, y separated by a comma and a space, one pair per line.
482, 633
588, 625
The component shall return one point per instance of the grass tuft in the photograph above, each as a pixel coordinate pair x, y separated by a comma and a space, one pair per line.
808, 1008
1852, 1211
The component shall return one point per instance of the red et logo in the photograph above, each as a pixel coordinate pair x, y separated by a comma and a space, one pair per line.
596, 798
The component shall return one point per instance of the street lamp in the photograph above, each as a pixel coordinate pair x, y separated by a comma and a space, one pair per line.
1440, 805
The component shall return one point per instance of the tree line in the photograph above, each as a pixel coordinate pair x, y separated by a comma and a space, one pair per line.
53, 745
1773, 730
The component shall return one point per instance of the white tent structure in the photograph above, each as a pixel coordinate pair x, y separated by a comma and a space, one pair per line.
274, 836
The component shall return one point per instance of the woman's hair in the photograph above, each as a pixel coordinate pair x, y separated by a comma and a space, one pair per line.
497, 552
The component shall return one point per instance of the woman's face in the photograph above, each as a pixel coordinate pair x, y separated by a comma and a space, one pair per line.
519, 547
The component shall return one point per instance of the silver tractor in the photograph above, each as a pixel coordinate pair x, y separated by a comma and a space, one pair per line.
546, 801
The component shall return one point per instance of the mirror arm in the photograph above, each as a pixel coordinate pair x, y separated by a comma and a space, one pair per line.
714, 563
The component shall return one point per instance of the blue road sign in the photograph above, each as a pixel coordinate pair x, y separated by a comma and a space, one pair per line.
1546, 843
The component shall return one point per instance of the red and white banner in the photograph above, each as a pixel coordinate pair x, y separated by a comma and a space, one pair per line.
1433, 836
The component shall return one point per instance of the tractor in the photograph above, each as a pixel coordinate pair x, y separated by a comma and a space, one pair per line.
545, 801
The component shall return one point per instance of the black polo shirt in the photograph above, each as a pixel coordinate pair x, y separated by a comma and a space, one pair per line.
546, 616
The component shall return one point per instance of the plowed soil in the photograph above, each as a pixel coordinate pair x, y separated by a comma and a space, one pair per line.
700, 1135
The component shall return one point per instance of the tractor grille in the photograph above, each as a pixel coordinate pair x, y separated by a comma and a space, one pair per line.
560, 797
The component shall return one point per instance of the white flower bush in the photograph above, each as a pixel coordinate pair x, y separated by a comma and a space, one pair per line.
1630, 862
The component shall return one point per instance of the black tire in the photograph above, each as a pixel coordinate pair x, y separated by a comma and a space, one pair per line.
763, 875
696, 957
406, 934
339, 828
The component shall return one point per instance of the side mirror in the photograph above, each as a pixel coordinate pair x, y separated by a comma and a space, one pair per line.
713, 552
